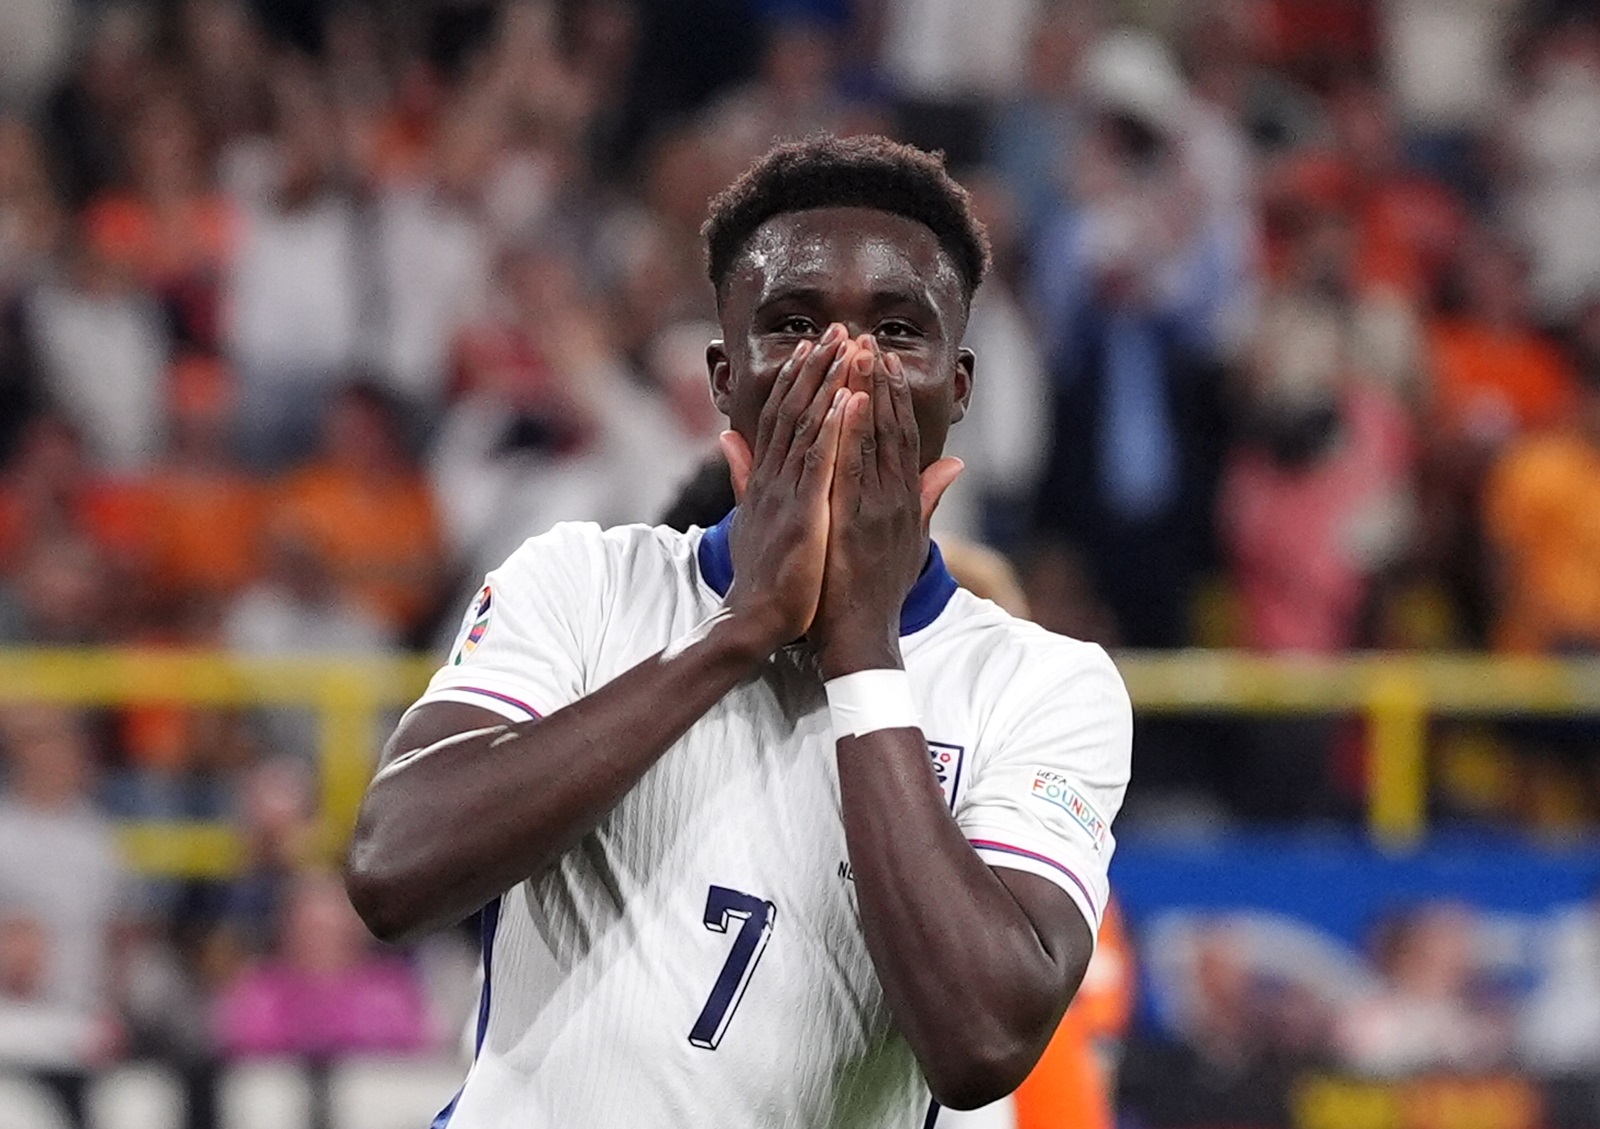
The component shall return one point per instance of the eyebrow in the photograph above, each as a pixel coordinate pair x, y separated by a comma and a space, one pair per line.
816, 296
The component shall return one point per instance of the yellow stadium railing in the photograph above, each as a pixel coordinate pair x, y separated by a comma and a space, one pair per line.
1397, 693
348, 696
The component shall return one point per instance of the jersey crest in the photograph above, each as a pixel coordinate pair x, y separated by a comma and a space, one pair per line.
947, 768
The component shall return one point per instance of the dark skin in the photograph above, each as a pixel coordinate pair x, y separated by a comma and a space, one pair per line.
840, 372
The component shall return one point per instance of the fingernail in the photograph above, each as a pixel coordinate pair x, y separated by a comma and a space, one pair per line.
867, 341
863, 363
835, 332
839, 399
802, 350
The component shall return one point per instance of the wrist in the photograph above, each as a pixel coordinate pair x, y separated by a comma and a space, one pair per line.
870, 700
751, 633
853, 652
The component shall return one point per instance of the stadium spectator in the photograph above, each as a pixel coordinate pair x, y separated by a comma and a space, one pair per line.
553, 423
234, 920
222, 52
32, 223
1559, 1026
203, 538
946, 62
102, 350
31, 218
324, 992
1134, 288
1552, 134
1494, 375
1315, 498
167, 228
1542, 518
1035, 132
48, 488
1432, 1012
60, 592
363, 509
1003, 436
294, 287
38, 1032
1406, 221
87, 116
60, 865
795, 94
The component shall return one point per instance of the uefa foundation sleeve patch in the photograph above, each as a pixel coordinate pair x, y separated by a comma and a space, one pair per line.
1054, 788
476, 625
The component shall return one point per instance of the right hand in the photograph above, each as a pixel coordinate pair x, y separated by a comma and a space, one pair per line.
780, 535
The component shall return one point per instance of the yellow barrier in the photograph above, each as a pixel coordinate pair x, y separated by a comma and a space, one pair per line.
347, 696
1397, 693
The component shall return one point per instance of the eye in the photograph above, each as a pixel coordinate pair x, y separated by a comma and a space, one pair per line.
797, 326
896, 329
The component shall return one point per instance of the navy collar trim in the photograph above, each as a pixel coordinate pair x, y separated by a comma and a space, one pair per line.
927, 598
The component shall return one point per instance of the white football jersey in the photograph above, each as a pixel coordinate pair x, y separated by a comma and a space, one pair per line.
697, 960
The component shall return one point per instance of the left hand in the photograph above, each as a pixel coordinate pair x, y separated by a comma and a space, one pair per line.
880, 507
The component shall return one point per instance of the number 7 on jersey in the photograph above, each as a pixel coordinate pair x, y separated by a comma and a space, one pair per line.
755, 916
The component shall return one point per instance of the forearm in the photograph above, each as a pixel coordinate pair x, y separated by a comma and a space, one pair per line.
454, 818
970, 982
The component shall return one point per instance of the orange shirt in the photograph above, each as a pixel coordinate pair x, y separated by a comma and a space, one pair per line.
1406, 228
204, 532
1070, 1086
1542, 512
1487, 382
111, 513
379, 538
161, 247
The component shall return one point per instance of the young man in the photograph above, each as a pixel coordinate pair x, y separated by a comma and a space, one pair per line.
771, 824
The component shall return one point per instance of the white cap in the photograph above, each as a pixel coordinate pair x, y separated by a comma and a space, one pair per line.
1133, 73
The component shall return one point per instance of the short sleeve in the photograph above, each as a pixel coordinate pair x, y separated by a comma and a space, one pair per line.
1051, 774
522, 647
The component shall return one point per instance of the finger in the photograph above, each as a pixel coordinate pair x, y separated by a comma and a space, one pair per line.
860, 375
909, 446
804, 394
780, 388
868, 441
809, 423
740, 460
886, 425
855, 432
823, 454
935, 481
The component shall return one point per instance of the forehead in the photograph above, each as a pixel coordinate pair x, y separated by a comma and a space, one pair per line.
844, 250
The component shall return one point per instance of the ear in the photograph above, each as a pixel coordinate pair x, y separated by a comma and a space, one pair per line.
721, 373
966, 366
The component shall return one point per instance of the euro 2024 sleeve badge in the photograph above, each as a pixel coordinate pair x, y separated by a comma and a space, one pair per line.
476, 625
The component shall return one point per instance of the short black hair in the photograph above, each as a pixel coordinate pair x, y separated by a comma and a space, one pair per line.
847, 172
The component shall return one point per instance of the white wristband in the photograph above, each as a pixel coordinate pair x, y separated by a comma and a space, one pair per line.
869, 700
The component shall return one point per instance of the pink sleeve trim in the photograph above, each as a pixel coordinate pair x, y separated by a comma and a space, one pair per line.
1023, 852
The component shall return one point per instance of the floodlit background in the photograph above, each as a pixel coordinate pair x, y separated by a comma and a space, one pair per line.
1289, 392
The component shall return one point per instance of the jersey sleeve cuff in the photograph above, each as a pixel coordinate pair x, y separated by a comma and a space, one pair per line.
512, 707
1004, 851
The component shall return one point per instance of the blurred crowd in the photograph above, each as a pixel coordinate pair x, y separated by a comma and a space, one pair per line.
1246, 1001
311, 311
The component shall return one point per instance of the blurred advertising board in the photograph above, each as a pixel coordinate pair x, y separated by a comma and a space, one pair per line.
1317, 982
